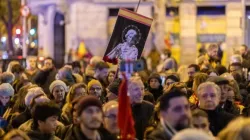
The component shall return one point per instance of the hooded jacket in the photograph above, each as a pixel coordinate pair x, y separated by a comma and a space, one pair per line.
36, 135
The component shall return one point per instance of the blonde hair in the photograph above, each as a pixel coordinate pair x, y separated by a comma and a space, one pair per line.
238, 129
108, 105
16, 133
198, 79
212, 46
183, 73
11, 64
192, 134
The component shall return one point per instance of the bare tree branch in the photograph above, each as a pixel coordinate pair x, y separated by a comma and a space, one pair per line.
4, 20
16, 20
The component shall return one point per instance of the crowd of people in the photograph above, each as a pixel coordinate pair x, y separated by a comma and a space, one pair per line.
201, 101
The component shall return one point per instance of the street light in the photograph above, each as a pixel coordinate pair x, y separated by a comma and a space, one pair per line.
3, 39
18, 31
17, 41
32, 31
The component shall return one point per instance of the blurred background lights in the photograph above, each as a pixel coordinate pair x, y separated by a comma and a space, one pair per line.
32, 31
18, 31
17, 41
3, 39
32, 45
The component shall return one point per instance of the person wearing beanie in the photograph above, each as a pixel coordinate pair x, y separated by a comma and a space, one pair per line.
7, 77
170, 79
95, 89
45, 116
225, 104
154, 85
90, 118
58, 89
113, 90
6, 92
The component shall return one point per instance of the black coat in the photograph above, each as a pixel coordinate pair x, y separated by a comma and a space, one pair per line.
21, 118
218, 120
36, 135
142, 114
44, 78
73, 132
159, 134
156, 92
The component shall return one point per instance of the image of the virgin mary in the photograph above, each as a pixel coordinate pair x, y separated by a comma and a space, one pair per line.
126, 50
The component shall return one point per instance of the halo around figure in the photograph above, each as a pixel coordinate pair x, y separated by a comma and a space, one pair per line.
134, 28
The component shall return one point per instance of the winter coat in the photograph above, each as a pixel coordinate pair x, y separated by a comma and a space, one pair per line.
149, 97
21, 118
156, 92
142, 113
27, 126
218, 119
44, 78
160, 134
73, 132
66, 116
36, 135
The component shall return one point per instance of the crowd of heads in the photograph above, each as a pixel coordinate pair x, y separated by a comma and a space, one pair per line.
198, 101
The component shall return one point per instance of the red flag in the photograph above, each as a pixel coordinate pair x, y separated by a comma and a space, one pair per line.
125, 118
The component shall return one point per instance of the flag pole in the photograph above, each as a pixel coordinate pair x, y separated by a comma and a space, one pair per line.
138, 6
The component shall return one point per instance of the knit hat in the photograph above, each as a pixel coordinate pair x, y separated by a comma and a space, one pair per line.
173, 77
57, 83
7, 77
33, 92
87, 101
6, 90
218, 80
93, 82
114, 86
155, 76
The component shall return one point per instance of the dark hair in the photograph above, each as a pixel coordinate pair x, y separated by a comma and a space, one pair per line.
101, 66
76, 64
167, 96
167, 52
196, 67
199, 113
237, 77
221, 69
17, 68
42, 111
49, 58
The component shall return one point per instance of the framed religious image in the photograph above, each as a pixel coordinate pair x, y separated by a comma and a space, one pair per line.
128, 38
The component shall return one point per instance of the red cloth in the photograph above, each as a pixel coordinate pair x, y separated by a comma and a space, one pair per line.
125, 118
113, 61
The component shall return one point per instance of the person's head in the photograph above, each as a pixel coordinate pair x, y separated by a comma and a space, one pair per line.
223, 83
95, 88
177, 86
111, 76
200, 120
33, 92
154, 81
113, 90
170, 79
192, 69
212, 51
58, 89
175, 110
238, 129
65, 73
198, 79
89, 112
235, 67
76, 91
6, 91
221, 69
76, 67
101, 70
236, 58
11, 64
135, 90
192, 134
16, 134
45, 116
17, 70
209, 95
31, 62
231, 94
131, 36
48, 63
110, 110
7, 77
243, 49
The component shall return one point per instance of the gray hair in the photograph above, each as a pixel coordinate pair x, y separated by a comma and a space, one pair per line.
192, 134
209, 84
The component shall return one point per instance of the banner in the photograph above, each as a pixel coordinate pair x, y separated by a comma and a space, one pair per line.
128, 38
